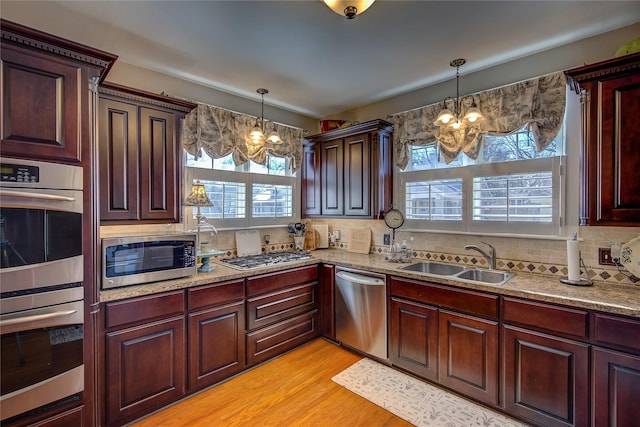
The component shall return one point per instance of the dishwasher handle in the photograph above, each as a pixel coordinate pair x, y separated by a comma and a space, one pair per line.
360, 279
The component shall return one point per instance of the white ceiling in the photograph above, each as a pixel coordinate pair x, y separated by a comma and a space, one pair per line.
313, 61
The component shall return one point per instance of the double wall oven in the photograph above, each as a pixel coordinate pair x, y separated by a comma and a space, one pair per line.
41, 278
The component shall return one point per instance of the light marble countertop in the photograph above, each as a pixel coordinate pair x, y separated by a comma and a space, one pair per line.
606, 297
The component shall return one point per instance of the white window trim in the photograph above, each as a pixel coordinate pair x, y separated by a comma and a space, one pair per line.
191, 174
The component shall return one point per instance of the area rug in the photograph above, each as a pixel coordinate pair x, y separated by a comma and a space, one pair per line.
416, 402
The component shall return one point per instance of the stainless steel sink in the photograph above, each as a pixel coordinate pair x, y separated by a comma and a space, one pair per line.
453, 271
485, 276
435, 268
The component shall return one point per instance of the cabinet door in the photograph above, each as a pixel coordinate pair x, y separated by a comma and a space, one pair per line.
41, 105
357, 175
159, 168
469, 355
118, 151
546, 379
616, 387
414, 338
326, 295
332, 190
145, 369
619, 167
216, 344
311, 181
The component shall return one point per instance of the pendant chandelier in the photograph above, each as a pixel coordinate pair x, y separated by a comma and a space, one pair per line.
455, 119
257, 135
349, 8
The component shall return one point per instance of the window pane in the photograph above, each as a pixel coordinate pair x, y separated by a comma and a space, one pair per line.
225, 163
517, 146
435, 200
428, 157
228, 200
203, 162
510, 198
272, 201
273, 166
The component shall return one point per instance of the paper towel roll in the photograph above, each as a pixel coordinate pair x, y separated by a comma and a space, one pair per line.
573, 260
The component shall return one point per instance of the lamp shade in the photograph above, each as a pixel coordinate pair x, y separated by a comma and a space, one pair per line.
198, 196
349, 8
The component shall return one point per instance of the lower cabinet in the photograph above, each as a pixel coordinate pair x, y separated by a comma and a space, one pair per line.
216, 325
616, 387
458, 349
145, 355
469, 355
546, 378
282, 312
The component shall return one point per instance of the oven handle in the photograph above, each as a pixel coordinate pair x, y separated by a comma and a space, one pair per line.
43, 196
35, 318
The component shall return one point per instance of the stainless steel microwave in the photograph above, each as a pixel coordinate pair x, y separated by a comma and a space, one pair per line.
136, 260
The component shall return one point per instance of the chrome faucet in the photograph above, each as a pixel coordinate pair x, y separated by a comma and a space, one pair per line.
490, 257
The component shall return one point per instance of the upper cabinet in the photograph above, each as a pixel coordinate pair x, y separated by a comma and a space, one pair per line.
348, 172
45, 85
140, 155
610, 158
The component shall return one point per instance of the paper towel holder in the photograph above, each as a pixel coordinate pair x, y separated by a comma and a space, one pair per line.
582, 281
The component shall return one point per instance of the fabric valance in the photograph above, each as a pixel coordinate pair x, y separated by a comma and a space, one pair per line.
219, 132
537, 103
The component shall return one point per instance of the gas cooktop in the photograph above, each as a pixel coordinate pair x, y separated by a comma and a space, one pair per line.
264, 260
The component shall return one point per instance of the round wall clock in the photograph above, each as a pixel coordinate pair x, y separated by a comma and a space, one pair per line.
394, 219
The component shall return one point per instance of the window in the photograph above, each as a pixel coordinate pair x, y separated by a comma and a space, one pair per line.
510, 188
245, 195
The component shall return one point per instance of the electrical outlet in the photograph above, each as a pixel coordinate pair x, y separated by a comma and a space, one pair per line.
387, 239
604, 256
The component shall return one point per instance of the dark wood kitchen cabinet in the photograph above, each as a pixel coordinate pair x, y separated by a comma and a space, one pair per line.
140, 155
326, 299
616, 370
216, 327
45, 85
282, 312
348, 172
145, 353
610, 132
546, 368
446, 335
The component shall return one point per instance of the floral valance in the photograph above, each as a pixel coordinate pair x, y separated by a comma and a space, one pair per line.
537, 103
219, 132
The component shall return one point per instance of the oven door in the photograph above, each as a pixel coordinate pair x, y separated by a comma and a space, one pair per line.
40, 238
41, 350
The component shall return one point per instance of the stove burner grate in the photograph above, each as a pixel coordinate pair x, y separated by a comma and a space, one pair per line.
264, 260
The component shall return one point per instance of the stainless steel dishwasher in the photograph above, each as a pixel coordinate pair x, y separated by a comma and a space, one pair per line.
361, 311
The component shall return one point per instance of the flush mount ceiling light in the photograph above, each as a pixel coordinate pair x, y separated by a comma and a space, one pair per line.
349, 8
455, 119
257, 135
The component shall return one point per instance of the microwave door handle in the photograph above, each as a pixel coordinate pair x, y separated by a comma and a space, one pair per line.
42, 196
35, 318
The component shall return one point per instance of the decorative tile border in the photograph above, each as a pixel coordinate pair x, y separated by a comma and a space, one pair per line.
556, 270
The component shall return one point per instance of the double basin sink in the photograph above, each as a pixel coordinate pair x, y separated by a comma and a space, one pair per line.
457, 272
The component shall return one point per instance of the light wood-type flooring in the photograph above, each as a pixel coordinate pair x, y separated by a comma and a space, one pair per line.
292, 390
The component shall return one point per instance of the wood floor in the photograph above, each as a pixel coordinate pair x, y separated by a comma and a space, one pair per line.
292, 390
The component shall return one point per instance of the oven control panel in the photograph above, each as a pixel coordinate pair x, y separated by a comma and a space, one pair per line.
19, 173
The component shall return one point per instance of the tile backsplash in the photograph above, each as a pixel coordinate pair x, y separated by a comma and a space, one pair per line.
541, 256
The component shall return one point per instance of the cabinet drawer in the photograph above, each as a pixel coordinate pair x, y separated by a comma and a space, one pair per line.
617, 331
271, 308
144, 309
461, 300
278, 280
274, 340
214, 294
559, 320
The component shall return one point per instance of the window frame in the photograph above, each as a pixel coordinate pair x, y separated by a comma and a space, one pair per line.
241, 175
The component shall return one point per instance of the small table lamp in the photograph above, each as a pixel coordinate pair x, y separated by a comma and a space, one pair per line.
199, 198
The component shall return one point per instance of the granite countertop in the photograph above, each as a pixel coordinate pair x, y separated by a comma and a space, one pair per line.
612, 298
